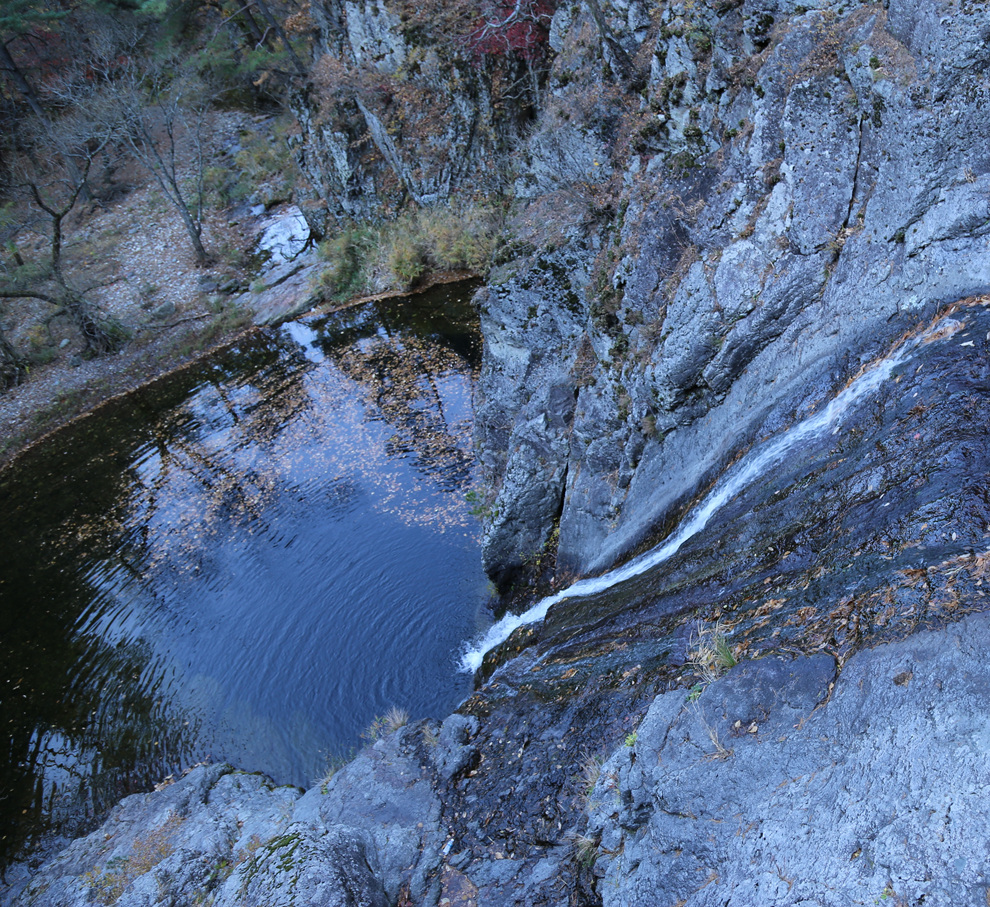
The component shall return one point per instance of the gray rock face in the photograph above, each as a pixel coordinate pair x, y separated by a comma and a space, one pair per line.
308, 867
773, 787
235, 840
398, 110
183, 838
728, 212
786, 782
524, 436
454, 752
387, 794
796, 182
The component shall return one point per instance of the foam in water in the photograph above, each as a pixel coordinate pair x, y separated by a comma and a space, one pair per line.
754, 464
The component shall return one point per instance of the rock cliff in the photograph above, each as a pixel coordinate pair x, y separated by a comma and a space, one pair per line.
768, 198
727, 212
414, 102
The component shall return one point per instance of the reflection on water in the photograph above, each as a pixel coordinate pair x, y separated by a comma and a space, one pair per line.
247, 564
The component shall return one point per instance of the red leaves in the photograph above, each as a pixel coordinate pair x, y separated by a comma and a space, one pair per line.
514, 28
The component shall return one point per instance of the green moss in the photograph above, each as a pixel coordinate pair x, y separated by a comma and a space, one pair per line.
693, 133
700, 43
682, 162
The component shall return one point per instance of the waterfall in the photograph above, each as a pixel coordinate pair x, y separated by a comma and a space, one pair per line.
735, 480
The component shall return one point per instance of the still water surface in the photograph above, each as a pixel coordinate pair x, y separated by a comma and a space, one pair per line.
249, 563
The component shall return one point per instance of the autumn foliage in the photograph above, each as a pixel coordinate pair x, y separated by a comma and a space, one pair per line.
516, 29
511, 30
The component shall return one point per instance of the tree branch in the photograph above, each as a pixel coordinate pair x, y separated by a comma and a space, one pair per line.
27, 293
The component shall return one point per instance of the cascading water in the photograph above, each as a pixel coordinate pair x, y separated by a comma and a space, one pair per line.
738, 477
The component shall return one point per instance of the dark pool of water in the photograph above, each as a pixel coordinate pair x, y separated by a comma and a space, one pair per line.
248, 563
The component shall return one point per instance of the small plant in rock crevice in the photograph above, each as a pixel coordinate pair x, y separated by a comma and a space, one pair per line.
431, 736
585, 850
386, 724
334, 764
720, 751
479, 505
711, 655
589, 771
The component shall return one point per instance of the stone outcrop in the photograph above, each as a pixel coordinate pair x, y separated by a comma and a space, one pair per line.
783, 785
784, 782
402, 109
786, 188
218, 836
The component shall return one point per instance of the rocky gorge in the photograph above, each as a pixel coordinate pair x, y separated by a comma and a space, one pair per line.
726, 213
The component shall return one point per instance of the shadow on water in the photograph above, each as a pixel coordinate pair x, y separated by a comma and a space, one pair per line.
241, 563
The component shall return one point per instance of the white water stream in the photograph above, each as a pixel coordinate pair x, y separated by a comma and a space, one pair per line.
737, 478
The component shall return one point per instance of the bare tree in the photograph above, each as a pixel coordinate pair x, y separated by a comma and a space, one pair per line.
155, 108
12, 24
166, 135
158, 110
13, 366
54, 199
275, 26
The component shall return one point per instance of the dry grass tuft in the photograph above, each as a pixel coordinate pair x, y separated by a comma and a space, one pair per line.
720, 750
386, 724
366, 259
711, 654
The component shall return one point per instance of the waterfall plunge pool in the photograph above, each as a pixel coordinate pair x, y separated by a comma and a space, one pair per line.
248, 562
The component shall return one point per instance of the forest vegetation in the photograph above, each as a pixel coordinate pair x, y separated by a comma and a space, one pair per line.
119, 115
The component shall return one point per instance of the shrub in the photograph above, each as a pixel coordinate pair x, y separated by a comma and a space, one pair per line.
225, 185
347, 256
406, 260
265, 163
397, 254
458, 240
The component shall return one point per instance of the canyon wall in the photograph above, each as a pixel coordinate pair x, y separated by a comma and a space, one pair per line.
717, 237
723, 213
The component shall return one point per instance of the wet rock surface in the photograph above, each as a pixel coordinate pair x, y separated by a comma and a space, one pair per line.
606, 761
806, 186
849, 546
793, 189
